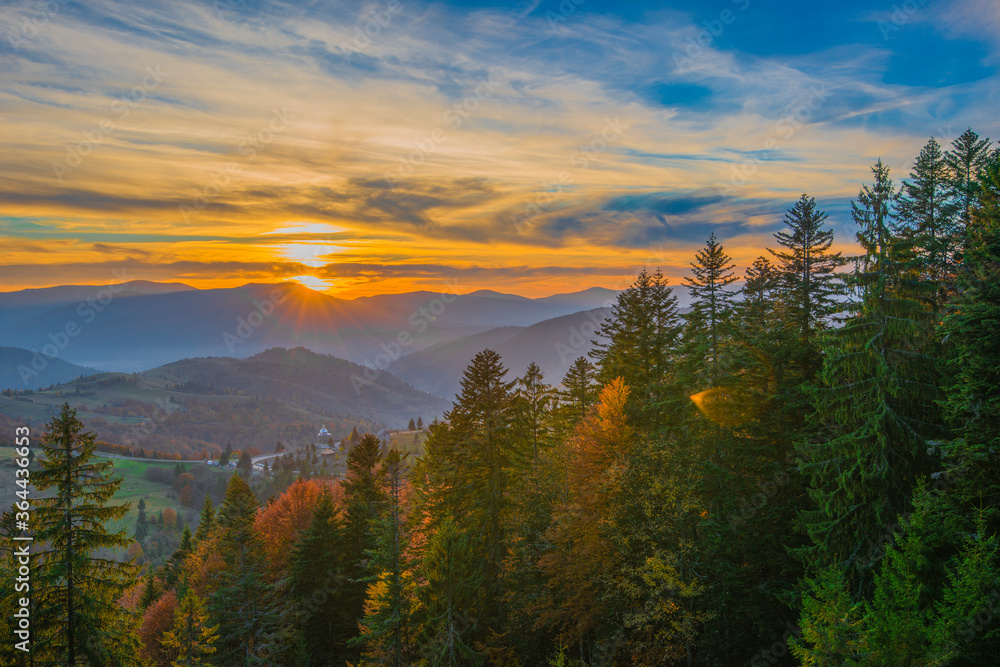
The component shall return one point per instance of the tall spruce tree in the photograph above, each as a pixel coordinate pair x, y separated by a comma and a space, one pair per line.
972, 461
453, 576
637, 343
364, 499
323, 614
832, 632
173, 568
927, 212
387, 627
967, 158
191, 638
807, 268
711, 303
467, 466
579, 390
876, 406
80, 588
206, 520
533, 401
896, 617
241, 604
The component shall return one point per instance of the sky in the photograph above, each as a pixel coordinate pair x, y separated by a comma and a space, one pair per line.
531, 147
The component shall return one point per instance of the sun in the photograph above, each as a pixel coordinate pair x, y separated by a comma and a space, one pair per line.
312, 282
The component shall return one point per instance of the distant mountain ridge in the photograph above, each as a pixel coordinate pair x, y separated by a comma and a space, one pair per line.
553, 344
202, 403
137, 325
24, 369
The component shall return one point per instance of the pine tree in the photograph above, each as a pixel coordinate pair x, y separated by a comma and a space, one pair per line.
226, 454
191, 638
206, 521
831, 625
420, 423
973, 364
807, 268
325, 621
533, 399
386, 627
579, 391
962, 633
241, 604
967, 157
467, 466
760, 351
412, 426
877, 404
175, 564
637, 342
151, 592
363, 502
761, 285
453, 577
896, 627
926, 211
81, 589
245, 464
711, 304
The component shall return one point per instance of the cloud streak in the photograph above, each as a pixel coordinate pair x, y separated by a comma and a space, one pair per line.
362, 106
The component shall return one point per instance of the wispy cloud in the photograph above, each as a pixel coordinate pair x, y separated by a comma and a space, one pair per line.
367, 86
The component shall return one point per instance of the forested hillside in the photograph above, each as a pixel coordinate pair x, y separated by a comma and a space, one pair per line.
804, 470
195, 407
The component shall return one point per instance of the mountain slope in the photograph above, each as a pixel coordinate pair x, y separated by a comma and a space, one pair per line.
552, 344
23, 369
21, 305
195, 404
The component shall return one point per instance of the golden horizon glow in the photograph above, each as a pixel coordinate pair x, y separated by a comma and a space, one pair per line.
270, 151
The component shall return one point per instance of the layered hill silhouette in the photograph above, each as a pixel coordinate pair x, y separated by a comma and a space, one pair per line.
138, 325
202, 404
23, 369
552, 344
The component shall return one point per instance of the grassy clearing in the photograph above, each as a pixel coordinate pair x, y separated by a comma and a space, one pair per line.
134, 486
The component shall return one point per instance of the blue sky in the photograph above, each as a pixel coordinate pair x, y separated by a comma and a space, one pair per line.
533, 145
